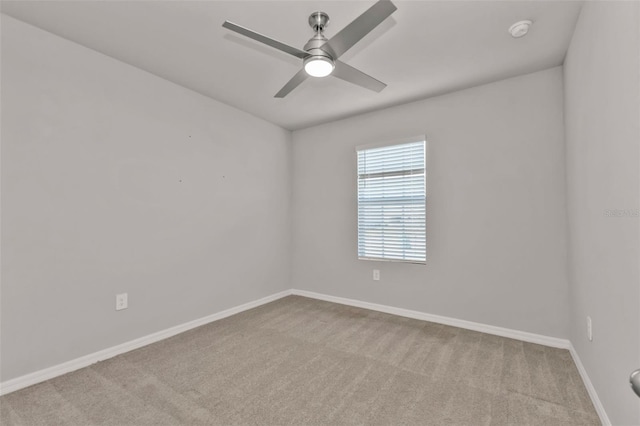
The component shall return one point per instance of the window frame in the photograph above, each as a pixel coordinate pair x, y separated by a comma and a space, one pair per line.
389, 143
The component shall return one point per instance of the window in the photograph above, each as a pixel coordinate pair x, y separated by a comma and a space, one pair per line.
392, 202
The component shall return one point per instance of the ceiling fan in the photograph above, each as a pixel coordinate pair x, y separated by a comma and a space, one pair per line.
320, 55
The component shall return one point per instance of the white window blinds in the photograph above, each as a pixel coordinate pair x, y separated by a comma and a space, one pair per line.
392, 202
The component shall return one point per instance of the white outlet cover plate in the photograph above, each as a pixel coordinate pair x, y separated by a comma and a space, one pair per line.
122, 301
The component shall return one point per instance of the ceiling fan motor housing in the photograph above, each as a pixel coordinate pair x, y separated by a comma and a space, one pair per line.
314, 45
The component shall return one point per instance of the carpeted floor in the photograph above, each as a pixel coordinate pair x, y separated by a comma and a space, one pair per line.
301, 361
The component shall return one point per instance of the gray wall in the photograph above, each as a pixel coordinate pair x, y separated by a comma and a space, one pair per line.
602, 121
496, 221
114, 180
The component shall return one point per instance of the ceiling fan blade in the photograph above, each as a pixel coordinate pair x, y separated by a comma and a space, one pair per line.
266, 40
360, 27
355, 76
292, 84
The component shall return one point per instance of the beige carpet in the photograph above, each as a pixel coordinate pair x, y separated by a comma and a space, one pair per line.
300, 361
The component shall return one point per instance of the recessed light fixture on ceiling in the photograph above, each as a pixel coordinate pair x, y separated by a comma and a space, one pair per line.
520, 28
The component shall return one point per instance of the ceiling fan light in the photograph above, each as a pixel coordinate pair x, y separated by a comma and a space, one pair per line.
318, 66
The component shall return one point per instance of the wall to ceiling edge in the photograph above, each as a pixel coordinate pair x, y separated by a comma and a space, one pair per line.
113, 181
602, 124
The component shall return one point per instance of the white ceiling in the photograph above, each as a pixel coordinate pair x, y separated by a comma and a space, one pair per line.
425, 48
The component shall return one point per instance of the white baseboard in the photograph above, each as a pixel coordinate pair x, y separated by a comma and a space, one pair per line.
553, 342
84, 361
592, 390
67, 367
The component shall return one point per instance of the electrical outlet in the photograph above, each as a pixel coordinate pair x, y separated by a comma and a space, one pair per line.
376, 275
122, 301
589, 329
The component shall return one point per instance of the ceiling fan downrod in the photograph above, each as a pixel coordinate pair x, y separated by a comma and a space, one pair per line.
318, 21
